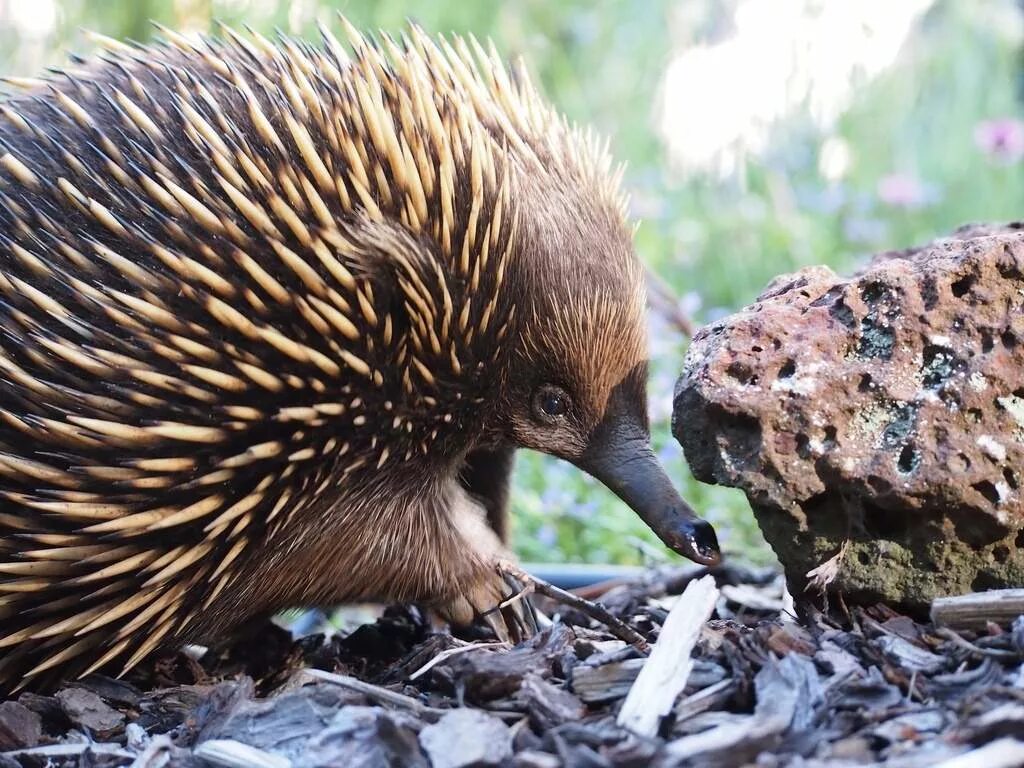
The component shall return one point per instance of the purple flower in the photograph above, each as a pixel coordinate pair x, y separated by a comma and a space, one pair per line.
904, 190
553, 498
547, 535
864, 230
660, 388
1001, 139
668, 454
827, 200
582, 511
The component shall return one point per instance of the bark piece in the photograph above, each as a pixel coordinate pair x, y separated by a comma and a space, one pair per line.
365, 737
19, 726
467, 738
88, 711
282, 725
549, 705
788, 697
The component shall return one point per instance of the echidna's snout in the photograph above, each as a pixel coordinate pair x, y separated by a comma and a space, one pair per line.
602, 428
620, 456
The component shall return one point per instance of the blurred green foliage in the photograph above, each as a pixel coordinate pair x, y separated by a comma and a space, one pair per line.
914, 172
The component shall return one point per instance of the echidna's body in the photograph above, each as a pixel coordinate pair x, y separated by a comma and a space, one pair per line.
273, 320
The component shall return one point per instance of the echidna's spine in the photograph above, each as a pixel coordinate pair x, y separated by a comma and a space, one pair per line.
236, 276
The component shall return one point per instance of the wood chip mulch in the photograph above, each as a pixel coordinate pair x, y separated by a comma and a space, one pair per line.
764, 688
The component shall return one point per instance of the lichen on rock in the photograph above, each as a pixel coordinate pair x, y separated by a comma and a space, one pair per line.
885, 409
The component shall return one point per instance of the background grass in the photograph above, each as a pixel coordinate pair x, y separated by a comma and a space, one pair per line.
905, 166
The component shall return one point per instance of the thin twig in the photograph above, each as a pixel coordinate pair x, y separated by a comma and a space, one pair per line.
70, 750
967, 645
399, 700
662, 299
445, 655
596, 611
378, 694
526, 590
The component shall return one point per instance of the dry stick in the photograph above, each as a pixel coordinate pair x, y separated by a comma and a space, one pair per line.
967, 645
378, 694
596, 611
400, 700
445, 655
71, 750
661, 298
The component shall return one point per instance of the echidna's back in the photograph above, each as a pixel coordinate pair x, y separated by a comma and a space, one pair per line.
184, 335
227, 272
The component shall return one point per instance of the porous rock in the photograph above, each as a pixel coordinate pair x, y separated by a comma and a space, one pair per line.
884, 411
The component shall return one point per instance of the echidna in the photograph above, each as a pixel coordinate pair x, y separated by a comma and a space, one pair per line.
274, 319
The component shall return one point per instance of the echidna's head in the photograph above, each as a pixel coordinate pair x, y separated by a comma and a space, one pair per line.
577, 385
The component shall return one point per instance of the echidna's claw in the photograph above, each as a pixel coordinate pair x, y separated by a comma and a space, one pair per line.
518, 610
501, 600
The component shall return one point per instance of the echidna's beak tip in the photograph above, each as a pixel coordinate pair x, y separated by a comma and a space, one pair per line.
620, 456
700, 543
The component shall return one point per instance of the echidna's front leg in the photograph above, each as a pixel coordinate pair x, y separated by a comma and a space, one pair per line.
483, 588
486, 476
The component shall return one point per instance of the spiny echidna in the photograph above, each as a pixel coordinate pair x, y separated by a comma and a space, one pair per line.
274, 318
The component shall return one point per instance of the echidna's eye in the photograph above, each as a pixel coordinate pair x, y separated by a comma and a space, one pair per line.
550, 403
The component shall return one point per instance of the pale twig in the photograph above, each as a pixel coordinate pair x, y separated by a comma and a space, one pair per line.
967, 645
661, 299
70, 750
445, 655
1006, 752
228, 753
526, 590
399, 700
378, 694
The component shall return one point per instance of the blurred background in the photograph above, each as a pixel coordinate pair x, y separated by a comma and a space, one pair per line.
760, 135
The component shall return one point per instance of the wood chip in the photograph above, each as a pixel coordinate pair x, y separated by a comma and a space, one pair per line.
974, 611
613, 681
19, 726
89, 712
664, 675
226, 753
704, 699
1002, 753
467, 738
